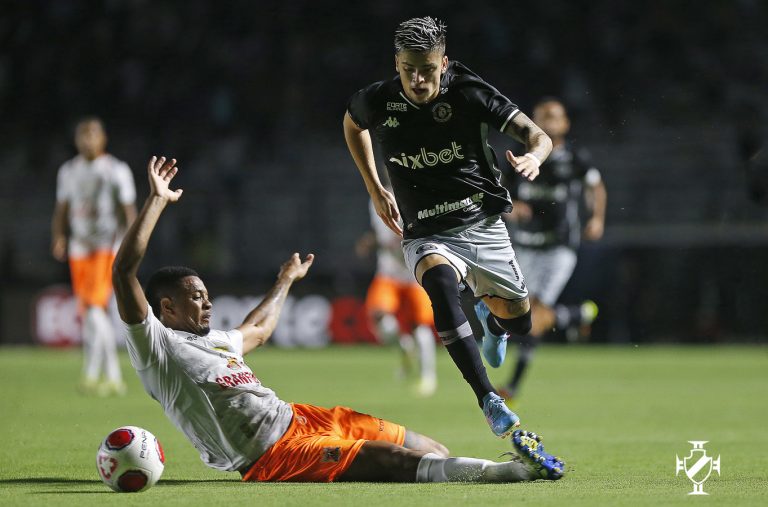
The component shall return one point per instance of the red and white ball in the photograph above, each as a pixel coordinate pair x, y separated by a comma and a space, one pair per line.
130, 460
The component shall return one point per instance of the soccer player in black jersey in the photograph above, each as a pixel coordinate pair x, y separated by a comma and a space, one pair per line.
546, 229
431, 122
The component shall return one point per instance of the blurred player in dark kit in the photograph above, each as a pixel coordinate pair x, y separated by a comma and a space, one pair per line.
546, 228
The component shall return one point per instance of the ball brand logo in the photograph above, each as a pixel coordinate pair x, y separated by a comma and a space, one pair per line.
697, 466
429, 158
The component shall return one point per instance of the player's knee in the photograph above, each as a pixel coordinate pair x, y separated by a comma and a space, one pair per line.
518, 325
441, 286
439, 282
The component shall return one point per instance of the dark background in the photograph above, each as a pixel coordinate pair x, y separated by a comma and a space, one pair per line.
670, 97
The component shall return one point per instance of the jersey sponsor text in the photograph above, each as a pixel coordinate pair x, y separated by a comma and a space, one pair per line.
430, 158
474, 201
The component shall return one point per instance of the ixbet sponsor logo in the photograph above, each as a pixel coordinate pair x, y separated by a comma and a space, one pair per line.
697, 466
429, 158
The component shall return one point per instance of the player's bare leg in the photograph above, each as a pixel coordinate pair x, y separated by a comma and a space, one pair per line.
384, 461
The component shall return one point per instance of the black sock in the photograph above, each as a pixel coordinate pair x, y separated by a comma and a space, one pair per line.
466, 355
493, 325
524, 357
455, 332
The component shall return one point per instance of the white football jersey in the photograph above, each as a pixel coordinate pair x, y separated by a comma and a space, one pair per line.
95, 190
389, 253
208, 392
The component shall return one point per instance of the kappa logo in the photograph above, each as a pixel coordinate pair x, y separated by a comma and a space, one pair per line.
391, 122
697, 466
397, 106
331, 455
430, 158
442, 112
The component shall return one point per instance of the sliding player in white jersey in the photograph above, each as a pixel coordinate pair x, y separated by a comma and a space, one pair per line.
397, 306
95, 197
206, 389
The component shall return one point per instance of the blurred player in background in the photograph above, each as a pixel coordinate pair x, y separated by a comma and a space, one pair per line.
398, 306
546, 229
95, 197
431, 122
200, 378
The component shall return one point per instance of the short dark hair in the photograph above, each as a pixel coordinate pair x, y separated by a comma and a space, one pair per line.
164, 283
90, 119
547, 99
421, 35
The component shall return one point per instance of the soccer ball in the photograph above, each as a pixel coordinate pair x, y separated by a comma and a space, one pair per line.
130, 459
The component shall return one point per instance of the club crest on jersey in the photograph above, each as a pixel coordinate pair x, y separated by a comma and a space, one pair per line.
391, 122
397, 106
233, 363
442, 112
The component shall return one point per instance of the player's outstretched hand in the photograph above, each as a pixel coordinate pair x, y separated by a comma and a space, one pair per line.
526, 166
386, 208
294, 269
161, 171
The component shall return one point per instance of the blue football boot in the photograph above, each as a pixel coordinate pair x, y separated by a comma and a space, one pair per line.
494, 347
542, 464
500, 418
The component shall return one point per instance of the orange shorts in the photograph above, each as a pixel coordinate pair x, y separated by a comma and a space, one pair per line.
407, 300
320, 444
92, 278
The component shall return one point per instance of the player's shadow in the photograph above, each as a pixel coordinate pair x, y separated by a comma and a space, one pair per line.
65, 481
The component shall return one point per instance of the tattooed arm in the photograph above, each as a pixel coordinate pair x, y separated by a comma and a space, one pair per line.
537, 143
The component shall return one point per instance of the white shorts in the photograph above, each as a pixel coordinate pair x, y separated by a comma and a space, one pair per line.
482, 254
547, 270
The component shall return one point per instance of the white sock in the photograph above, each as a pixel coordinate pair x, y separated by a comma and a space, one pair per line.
433, 468
426, 343
109, 347
92, 349
388, 328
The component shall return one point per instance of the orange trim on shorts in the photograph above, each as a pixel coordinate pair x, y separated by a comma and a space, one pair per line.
92, 278
407, 300
321, 444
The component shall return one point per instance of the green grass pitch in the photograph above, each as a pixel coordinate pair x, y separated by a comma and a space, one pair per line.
617, 415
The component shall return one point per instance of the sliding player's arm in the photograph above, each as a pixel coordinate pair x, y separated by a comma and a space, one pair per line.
538, 146
261, 321
361, 148
131, 301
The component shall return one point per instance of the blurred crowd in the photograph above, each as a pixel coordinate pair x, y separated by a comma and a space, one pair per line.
250, 96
